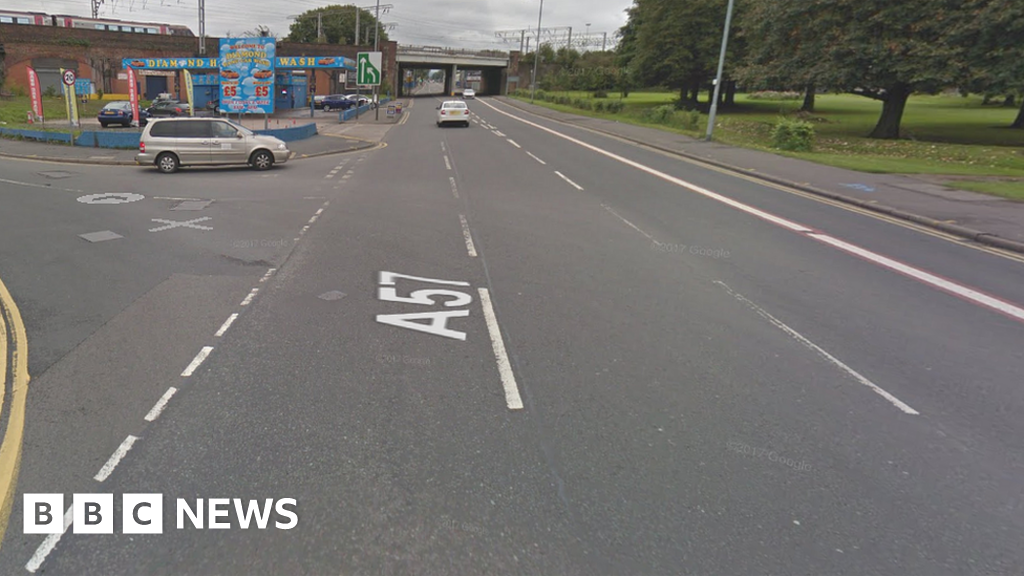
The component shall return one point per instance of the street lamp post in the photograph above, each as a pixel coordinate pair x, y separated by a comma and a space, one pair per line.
376, 44
718, 77
536, 54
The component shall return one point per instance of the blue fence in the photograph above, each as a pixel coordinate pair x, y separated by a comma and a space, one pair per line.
130, 140
123, 140
40, 135
349, 114
292, 134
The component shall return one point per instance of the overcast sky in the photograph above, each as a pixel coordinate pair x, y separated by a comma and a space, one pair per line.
455, 23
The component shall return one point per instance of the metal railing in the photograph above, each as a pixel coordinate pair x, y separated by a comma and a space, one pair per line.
452, 52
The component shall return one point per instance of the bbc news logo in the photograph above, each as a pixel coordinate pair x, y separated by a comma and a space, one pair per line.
144, 513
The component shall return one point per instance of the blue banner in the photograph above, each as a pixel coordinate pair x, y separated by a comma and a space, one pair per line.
247, 75
169, 63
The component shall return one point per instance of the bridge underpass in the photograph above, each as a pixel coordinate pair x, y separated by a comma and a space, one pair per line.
485, 72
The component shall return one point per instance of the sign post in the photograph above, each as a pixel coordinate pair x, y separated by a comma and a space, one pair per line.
69, 77
368, 67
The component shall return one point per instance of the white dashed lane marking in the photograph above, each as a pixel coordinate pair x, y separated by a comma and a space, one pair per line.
115, 458
197, 361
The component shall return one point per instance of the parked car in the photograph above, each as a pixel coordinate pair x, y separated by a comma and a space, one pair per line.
318, 101
468, 94
337, 102
451, 112
167, 108
362, 99
119, 112
170, 143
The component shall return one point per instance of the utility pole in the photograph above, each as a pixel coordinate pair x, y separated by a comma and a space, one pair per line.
569, 43
536, 55
604, 43
522, 39
202, 27
718, 77
96, 8
320, 26
358, 10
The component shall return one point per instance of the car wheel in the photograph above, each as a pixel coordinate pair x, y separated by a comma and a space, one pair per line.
327, 108
127, 124
167, 163
262, 160
103, 124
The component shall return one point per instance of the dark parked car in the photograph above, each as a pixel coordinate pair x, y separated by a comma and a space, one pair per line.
337, 102
119, 113
168, 108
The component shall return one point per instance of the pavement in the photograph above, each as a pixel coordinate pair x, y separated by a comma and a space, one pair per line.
333, 137
520, 347
979, 217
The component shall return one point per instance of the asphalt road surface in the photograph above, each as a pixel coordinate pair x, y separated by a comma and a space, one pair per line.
513, 348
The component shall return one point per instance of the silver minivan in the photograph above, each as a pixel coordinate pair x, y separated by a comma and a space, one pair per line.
174, 142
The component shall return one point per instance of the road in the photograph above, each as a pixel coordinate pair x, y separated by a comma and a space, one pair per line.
517, 347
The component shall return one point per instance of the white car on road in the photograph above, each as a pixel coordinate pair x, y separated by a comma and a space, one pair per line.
469, 93
453, 112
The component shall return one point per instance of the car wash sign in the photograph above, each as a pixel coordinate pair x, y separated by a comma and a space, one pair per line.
247, 75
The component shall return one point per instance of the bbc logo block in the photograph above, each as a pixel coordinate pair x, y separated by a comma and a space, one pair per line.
144, 513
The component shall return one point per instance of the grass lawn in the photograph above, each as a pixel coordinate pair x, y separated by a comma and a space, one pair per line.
949, 135
1013, 190
13, 113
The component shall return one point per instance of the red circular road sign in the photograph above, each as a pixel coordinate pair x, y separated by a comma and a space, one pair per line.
69, 77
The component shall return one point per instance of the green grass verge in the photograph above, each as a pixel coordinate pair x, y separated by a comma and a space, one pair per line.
13, 113
949, 135
1006, 189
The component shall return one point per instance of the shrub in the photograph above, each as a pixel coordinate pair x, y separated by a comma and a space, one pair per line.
50, 91
541, 95
614, 106
586, 105
577, 103
691, 120
659, 115
774, 95
793, 135
600, 94
598, 106
564, 100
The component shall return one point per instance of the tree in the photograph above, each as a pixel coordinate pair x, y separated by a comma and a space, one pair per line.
875, 48
992, 33
260, 31
339, 26
671, 43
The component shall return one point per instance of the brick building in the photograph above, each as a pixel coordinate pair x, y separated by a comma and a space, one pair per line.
96, 55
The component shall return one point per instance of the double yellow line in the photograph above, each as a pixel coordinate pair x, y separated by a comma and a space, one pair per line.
13, 338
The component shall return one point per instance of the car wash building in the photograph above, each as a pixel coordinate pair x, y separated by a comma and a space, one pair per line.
248, 77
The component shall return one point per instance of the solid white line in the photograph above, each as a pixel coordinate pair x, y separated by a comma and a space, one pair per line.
801, 339
630, 224
508, 379
48, 544
943, 284
447, 164
154, 412
530, 154
668, 178
200, 357
115, 458
975, 296
513, 142
248, 299
469, 239
227, 324
564, 177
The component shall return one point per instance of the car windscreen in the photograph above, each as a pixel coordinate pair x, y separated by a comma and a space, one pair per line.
454, 105
118, 106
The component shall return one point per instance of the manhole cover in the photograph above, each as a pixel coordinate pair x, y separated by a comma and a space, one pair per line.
332, 295
57, 174
100, 236
193, 205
